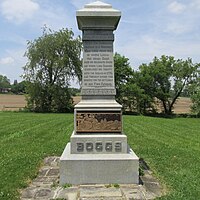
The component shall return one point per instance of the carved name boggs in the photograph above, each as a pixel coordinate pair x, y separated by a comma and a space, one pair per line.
99, 147
98, 122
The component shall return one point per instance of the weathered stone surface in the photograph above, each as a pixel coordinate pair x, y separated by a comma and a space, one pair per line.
98, 67
103, 198
29, 192
98, 161
51, 190
43, 193
101, 15
43, 172
98, 63
51, 161
98, 35
53, 172
135, 192
151, 184
68, 193
94, 192
100, 143
45, 179
98, 168
98, 122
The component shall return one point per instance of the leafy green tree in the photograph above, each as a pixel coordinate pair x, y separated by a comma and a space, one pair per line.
144, 99
166, 78
19, 88
4, 82
130, 94
75, 91
53, 60
123, 74
194, 90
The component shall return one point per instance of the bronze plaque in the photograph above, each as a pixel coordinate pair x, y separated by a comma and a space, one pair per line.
98, 122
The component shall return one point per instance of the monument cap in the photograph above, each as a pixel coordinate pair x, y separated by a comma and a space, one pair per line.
98, 15
98, 4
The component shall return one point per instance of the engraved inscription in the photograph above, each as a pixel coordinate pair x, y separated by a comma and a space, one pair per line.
80, 147
89, 146
98, 91
99, 146
108, 146
98, 46
98, 68
98, 122
98, 35
118, 146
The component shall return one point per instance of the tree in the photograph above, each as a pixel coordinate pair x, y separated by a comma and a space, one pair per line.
166, 79
4, 82
53, 59
130, 93
144, 99
19, 88
123, 73
194, 90
75, 91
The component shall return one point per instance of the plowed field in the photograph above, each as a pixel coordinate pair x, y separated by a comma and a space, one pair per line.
15, 102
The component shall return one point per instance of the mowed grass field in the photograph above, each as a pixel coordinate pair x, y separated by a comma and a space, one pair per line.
171, 148
15, 102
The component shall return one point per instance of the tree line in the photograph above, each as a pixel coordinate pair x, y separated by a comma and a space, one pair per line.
161, 81
15, 88
54, 59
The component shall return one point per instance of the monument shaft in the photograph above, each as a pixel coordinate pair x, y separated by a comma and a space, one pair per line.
98, 150
98, 64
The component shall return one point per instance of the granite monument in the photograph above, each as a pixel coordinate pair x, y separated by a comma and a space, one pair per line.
98, 152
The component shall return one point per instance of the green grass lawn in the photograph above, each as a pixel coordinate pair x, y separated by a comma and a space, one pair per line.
25, 139
171, 147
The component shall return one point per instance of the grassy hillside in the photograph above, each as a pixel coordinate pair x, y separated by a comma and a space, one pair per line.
171, 147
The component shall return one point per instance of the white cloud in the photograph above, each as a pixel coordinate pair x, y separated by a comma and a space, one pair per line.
13, 38
176, 7
195, 4
178, 27
53, 18
52, 14
142, 48
18, 11
12, 64
6, 61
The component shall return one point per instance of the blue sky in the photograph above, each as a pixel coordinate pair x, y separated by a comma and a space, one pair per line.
147, 28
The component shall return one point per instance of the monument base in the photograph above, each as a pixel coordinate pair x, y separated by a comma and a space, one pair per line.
98, 168
118, 143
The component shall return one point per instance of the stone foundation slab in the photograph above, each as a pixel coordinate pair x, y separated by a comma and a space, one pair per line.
98, 168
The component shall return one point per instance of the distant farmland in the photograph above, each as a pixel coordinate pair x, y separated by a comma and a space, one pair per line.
12, 102
16, 102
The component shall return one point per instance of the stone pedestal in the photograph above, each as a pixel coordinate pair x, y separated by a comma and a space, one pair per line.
98, 168
98, 150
